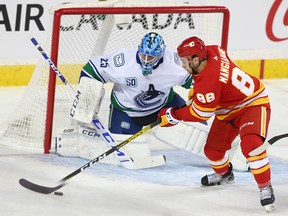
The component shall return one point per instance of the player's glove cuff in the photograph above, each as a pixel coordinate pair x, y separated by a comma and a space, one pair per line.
167, 118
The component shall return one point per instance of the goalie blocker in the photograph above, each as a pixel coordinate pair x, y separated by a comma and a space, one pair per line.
87, 100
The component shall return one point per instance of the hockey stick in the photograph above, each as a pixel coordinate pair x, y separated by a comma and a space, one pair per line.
47, 190
121, 155
267, 144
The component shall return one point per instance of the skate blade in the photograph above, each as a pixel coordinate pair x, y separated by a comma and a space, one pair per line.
219, 183
269, 208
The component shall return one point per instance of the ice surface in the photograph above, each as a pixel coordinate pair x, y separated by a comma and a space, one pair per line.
170, 190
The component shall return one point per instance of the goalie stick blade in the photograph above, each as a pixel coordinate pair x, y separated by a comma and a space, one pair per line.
149, 162
38, 188
125, 160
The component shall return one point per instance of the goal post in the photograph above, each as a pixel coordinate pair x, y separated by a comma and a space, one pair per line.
81, 31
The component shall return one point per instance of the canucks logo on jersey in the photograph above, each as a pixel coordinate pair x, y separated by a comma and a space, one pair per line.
149, 97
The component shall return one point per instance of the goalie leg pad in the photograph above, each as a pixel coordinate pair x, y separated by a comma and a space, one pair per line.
84, 142
78, 141
193, 136
193, 139
67, 142
237, 157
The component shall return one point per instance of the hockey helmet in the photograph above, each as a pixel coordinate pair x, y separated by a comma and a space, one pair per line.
150, 51
192, 46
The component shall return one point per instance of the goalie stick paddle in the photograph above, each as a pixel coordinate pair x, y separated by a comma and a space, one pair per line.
123, 157
267, 144
47, 190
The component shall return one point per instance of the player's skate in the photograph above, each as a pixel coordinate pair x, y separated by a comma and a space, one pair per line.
267, 198
216, 179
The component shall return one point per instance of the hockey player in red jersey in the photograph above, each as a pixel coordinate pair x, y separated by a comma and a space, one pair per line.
240, 105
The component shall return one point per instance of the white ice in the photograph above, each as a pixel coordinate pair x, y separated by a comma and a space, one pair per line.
170, 190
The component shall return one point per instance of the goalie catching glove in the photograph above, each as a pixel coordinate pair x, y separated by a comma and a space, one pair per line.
167, 118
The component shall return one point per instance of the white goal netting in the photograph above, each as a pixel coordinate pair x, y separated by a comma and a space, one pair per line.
82, 30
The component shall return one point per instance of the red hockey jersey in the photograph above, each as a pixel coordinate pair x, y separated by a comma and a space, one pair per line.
223, 89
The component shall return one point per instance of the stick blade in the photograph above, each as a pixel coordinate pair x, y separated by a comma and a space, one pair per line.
260, 149
38, 188
267, 144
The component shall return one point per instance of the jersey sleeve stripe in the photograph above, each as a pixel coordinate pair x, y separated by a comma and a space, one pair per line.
97, 72
199, 114
203, 109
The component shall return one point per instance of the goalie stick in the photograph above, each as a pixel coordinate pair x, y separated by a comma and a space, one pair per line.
267, 144
47, 190
106, 135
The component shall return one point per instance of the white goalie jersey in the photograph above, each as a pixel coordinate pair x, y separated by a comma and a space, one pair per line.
133, 93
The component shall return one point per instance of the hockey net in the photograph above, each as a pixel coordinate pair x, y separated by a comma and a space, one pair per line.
80, 31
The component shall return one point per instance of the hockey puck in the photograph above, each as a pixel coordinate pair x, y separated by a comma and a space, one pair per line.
58, 193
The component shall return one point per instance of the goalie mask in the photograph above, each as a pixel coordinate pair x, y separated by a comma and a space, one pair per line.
150, 51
